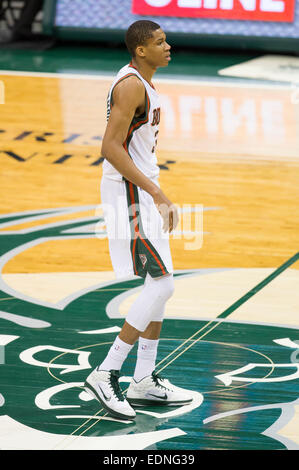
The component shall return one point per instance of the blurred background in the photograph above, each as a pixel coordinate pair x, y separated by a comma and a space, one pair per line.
241, 24
256, 25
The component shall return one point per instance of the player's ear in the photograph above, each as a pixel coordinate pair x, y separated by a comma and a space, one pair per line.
139, 51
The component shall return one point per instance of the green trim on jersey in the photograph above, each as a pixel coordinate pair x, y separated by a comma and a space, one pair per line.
145, 257
137, 122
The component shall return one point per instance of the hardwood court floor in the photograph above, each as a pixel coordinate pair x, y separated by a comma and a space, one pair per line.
246, 172
227, 147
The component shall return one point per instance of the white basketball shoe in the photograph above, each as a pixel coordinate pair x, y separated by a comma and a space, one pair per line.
154, 390
104, 386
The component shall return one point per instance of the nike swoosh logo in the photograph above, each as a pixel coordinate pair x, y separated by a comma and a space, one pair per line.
159, 396
106, 398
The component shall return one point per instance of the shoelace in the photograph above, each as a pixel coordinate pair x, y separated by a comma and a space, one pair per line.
114, 376
156, 377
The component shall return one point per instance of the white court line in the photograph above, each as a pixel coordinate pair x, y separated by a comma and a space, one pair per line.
177, 81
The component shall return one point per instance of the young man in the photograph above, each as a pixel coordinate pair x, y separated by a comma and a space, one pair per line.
133, 200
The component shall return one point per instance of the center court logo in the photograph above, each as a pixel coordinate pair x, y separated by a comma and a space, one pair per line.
55, 346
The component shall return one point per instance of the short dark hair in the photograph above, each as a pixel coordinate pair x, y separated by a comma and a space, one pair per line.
138, 33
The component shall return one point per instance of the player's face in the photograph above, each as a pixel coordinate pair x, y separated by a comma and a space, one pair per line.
157, 50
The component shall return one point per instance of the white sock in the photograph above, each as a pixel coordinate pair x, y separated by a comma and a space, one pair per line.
116, 355
146, 358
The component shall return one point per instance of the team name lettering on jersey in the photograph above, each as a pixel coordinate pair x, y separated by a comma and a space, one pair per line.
156, 117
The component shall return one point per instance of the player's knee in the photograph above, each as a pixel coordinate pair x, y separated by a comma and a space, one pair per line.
150, 305
165, 294
166, 287
170, 287
158, 315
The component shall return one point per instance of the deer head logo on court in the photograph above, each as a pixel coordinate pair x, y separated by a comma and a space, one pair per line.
48, 348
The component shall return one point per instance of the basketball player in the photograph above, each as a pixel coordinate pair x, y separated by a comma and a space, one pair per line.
133, 202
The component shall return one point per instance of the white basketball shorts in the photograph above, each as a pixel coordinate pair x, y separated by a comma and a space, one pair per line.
137, 243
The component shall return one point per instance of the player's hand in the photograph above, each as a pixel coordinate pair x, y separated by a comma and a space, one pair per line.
168, 211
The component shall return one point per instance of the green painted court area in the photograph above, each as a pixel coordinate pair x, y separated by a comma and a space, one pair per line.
244, 376
46, 368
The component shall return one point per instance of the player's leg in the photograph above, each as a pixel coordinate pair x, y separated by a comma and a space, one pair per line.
103, 382
149, 305
153, 250
147, 387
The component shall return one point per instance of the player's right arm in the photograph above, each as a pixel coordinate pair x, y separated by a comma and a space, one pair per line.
128, 97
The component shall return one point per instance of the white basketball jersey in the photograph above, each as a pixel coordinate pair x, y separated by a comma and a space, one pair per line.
142, 135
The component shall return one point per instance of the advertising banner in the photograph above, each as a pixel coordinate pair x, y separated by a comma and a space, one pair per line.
254, 10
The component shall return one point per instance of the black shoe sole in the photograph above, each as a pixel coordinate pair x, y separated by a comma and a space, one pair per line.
145, 402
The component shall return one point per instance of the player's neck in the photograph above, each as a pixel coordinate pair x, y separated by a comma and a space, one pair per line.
145, 70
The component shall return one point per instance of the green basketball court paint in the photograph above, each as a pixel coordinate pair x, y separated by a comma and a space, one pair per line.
235, 366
